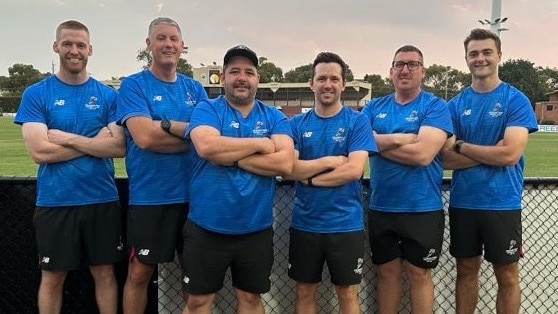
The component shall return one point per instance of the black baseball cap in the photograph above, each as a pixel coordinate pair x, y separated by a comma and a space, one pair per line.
241, 51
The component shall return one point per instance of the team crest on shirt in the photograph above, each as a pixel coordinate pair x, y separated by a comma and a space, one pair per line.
340, 135
92, 104
413, 117
496, 111
190, 101
260, 129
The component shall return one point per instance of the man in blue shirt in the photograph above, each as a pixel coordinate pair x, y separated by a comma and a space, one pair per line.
241, 145
155, 106
492, 121
69, 127
333, 143
406, 217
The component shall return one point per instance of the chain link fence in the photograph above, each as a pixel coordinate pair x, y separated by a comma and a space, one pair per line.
19, 275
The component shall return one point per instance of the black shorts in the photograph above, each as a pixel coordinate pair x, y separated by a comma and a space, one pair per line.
496, 232
155, 231
208, 255
414, 237
70, 236
343, 252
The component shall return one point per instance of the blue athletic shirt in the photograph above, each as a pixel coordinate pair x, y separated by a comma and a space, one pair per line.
230, 200
157, 178
80, 109
330, 209
400, 188
481, 118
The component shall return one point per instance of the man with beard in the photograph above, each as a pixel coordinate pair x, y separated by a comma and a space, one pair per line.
155, 106
333, 143
241, 145
406, 217
69, 128
492, 121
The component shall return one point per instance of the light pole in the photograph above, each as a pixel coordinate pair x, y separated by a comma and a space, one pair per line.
496, 21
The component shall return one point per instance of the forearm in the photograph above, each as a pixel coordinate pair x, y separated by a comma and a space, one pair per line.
304, 169
51, 153
99, 147
453, 161
386, 142
488, 155
338, 176
226, 150
274, 164
410, 155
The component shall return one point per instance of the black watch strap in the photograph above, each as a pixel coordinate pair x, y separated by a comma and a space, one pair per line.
166, 125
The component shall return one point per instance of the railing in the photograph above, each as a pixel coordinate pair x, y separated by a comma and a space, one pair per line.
19, 275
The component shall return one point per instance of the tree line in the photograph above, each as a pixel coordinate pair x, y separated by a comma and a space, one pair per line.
444, 81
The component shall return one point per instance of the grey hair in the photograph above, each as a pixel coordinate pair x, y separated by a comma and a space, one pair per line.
162, 20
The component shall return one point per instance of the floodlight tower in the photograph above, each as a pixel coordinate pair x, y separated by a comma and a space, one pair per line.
496, 20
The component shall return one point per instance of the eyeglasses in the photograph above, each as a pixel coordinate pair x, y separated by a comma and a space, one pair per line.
411, 65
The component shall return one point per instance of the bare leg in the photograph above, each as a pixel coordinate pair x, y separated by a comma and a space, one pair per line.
306, 298
467, 284
106, 288
135, 288
248, 303
389, 286
421, 288
509, 292
348, 299
199, 304
50, 291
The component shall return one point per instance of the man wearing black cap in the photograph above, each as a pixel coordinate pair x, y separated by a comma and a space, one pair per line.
241, 145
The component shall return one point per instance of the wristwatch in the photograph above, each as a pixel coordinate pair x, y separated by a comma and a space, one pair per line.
457, 146
166, 125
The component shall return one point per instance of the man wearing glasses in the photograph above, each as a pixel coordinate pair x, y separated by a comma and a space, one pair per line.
406, 217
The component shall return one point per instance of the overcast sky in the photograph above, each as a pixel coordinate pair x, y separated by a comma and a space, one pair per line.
289, 33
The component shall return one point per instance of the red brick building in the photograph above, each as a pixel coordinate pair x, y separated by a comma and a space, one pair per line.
547, 111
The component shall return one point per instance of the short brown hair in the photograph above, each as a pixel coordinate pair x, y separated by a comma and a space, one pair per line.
71, 24
482, 34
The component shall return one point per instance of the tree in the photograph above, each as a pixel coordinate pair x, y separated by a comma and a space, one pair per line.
303, 73
380, 86
183, 66
444, 81
20, 76
523, 75
269, 72
549, 77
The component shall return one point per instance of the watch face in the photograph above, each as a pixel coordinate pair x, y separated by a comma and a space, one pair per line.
165, 125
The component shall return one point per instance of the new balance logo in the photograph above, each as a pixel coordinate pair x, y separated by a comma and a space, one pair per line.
143, 252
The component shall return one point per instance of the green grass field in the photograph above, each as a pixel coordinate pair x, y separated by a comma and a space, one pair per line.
541, 154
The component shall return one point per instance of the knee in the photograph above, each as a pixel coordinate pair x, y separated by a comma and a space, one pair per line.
418, 275
139, 273
306, 291
346, 293
468, 267
102, 272
199, 302
248, 298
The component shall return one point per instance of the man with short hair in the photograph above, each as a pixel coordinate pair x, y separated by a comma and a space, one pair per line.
241, 145
155, 106
406, 217
333, 143
69, 128
492, 121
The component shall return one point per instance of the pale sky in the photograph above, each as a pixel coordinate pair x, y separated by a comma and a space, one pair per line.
289, 33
